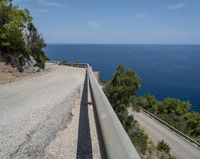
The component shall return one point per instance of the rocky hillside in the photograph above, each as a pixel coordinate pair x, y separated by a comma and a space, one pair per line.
21, 45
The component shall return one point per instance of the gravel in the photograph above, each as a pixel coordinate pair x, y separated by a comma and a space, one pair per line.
34, 110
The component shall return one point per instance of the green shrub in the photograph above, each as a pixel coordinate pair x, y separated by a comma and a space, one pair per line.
162, 146
172, 157
139, 139
63, 63
177, 122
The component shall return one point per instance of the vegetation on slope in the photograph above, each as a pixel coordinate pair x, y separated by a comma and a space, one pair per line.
20, 41
121, 92
162, 146
175, 112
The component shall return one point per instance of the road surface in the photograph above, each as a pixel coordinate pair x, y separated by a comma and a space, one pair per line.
156, 132
33, 110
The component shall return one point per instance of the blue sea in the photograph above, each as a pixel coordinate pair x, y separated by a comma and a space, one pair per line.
165, 70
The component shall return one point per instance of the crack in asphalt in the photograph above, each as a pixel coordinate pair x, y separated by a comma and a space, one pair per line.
40, 137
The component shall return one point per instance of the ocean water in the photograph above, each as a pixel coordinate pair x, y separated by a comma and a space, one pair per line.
165, 70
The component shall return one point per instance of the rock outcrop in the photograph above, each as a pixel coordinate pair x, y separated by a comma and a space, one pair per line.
24, 64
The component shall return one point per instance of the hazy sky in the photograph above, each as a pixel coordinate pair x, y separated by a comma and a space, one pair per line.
116, 21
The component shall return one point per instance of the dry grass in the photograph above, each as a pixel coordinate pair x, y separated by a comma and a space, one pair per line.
9, 74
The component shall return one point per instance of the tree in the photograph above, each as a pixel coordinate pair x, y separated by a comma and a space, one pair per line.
174, 106
150, 103
18, 36
35, 44
122, 87
12, 22
121, 92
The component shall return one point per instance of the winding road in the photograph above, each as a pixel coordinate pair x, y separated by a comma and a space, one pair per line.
33, 110
156, 132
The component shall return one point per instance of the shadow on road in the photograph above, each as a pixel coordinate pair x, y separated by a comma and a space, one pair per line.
84, 145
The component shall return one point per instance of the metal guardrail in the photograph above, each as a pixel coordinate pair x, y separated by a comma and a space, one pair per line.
116, 142
185, 137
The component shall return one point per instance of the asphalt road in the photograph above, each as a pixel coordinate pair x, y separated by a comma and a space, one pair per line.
156, 132
33, 110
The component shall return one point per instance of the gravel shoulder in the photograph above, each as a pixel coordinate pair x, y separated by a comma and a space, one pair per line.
33, 110
79, 140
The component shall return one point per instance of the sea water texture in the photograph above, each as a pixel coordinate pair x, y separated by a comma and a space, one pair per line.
165, 70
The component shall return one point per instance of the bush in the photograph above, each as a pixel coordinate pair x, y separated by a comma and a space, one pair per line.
139, 139
162, 146
63, 63
177, 122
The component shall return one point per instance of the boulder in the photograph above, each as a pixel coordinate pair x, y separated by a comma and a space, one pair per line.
22, 63
31, 65
32, 60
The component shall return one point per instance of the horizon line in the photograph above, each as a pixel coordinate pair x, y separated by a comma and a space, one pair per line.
121, 44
